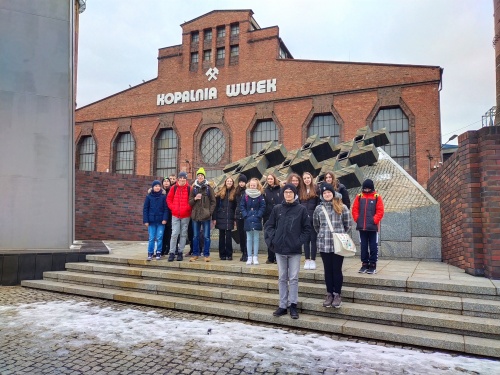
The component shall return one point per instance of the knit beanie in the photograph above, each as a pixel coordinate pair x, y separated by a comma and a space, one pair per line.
201, 171
155, 182
290, 187
368, 184
242, 178
182, 175
327, 187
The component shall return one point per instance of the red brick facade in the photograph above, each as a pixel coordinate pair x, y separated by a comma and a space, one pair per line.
468, 188
108, 206
352, 92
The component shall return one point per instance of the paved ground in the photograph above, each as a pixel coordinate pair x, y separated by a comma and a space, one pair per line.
25, 352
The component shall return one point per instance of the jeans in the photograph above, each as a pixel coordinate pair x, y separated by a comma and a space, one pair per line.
179, 226
253, 242
225, 243
155, 232
205, 225
368, 238
288, 281
333, 272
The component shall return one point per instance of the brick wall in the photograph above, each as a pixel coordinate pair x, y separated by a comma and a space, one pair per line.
468, 188
108, 206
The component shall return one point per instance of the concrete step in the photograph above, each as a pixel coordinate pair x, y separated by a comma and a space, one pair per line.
394, 315
409, 336
382, 297
470, 287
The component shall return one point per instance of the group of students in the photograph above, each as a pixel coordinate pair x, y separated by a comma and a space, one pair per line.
294, 214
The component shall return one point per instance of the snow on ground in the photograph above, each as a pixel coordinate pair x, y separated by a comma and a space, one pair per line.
80, 324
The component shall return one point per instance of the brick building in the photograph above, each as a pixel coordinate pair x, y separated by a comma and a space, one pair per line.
231, 86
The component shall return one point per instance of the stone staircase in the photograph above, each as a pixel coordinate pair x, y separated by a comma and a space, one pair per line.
444, 314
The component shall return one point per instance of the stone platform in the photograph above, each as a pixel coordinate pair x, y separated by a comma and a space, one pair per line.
418, 303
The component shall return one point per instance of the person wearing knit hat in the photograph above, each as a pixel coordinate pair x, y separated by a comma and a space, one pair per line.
154, 217
201, 170
333, 209
240, 221
182, 174
287, 229
202, 201
368, 211
242, 178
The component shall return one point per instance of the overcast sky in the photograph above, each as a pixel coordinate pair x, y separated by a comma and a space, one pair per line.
119, 42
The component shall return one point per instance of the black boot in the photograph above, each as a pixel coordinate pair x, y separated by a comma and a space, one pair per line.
244, 256
294, 314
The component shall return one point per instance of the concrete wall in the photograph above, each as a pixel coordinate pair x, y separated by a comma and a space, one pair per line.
36, 124
468, 188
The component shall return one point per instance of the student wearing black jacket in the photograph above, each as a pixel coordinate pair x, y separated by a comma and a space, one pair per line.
309, 198
240, 221
224, 219
287, 229
332, 180
272, 198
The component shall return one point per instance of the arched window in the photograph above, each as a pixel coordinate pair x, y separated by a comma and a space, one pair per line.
86, 156
263, 132
124, 161
396, 123
166, 153
324, 126
213, 146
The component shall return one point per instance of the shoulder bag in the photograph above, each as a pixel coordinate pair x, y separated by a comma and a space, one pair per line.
342, 242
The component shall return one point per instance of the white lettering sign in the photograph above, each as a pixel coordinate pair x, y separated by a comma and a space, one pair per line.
210, 93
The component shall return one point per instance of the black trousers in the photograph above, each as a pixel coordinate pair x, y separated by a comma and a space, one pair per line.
225, 243
240, 224
271, 255
333, 272
167, 235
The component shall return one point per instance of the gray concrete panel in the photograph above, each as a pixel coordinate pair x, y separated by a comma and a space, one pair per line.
396, 226
395, 249
426, 221
36, 123
426, 248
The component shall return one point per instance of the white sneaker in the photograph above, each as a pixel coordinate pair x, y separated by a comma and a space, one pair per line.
312, 265
307, 264
249, 261
255, 260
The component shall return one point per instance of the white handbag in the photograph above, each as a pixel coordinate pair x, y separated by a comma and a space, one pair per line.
342, 242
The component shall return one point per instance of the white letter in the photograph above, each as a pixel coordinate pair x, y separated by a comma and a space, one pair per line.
261, 87
233, 90
271, 85
191, 97
252, 90
160, 99
245, 88
177, 96
185, 97
169, 98
199, 95
212, 93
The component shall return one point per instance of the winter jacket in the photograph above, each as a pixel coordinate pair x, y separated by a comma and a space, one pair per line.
341, 223
287, 229
367, 211
224, 213
155, 209
310, 204
252, 210
237, 213
178, 201
203, 208
272, 197
343, 191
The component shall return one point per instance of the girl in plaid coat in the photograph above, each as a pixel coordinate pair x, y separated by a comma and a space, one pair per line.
341, 220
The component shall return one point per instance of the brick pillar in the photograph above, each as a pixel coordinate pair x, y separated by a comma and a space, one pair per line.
470, 201
489, 152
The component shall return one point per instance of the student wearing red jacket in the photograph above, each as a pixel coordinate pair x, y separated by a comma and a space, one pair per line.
178, 203
367, 212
